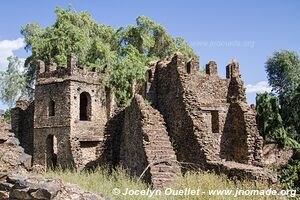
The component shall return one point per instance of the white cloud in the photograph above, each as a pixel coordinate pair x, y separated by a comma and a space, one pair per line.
6, 49
259, 87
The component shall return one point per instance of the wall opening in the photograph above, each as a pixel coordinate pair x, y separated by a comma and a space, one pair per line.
51, 108
188, 68
89, 152
51, 152
149, 75
85, 107
215, 121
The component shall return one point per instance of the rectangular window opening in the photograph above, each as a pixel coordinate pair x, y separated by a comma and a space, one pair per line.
215, 121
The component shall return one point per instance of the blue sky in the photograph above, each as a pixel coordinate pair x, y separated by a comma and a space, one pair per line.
249, 31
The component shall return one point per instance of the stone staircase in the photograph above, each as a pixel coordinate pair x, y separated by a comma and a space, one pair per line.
162, 162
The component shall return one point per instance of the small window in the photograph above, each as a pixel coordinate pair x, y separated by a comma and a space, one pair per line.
149, 77
188, 68
51, 108
85, 107
215, 121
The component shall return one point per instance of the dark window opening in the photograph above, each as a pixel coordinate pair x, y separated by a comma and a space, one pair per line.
149, 77
215, 121
85, 107
51, 152
188, 68
51, 108
88, 144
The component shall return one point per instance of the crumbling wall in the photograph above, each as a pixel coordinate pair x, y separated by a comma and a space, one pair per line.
145, 146
240, 141
171, 98
57, 125
22, 117
72, 106
206, 115
108, 152
87, 135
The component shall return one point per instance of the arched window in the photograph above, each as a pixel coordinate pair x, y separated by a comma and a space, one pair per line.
51, 108
85, 107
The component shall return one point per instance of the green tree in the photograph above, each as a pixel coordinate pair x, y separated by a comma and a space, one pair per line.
283, 70
12, 82
269, 121
122, 53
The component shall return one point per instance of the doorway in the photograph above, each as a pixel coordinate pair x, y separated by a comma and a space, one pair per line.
51, 152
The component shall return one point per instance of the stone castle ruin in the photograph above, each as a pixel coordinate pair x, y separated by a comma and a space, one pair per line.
180, 119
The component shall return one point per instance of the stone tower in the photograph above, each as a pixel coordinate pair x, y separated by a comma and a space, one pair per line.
71, 110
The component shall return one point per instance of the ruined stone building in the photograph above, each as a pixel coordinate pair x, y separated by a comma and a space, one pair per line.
191, 120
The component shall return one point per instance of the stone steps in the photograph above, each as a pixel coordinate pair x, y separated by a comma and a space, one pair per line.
159, 151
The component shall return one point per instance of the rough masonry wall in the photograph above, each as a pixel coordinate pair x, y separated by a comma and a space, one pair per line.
86, 136
191, 142
22, 117
43, 157
146, 146
70, 116
58, 125
60, 94
240, 141
206, 115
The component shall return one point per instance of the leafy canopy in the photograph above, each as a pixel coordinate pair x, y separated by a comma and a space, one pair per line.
269, 121
122, 53
283, 70
279, 117
12, 82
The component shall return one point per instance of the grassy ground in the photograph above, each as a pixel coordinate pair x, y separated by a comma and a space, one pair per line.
102, 182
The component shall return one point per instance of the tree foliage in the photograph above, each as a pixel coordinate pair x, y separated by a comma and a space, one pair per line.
289, 177
279, 117
283, 70
269, 121
12, 82
122, 53
7, 116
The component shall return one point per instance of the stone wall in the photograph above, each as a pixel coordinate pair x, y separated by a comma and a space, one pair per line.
87, 135
171, 104
240, 141
22, 117
17, 183
71, 108
145, 145
206, 116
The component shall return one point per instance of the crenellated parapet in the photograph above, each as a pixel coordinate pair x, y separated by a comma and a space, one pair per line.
236, 90
53, 73
233, 70
211, 68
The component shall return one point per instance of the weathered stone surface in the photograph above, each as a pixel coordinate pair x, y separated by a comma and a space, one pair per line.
151, 151
20, 194
65, 124
39, 188
206, 118
12, 155
276, 156
4, 195
17, 186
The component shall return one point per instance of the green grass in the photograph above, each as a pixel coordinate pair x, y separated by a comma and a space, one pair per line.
100, 181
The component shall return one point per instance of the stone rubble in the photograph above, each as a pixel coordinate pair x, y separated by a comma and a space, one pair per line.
16, 183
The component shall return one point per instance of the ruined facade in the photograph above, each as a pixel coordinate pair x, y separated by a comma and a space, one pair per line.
182, 119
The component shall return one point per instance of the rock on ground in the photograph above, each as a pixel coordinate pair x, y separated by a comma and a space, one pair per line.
14, 163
